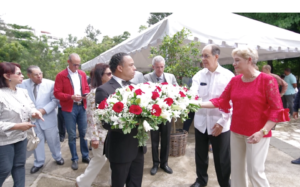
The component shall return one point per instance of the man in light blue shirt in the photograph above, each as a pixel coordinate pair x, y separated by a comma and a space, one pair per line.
289, 95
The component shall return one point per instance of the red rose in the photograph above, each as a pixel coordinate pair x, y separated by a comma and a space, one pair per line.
182, 94
118, 107
156, 110
155, 95
139, 92
103, 104
131, 87
185, 89
147, 83
135, 109
158, 88
169, 101
197, 97
164, 83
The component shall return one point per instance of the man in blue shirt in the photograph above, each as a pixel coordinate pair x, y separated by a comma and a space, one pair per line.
289, 95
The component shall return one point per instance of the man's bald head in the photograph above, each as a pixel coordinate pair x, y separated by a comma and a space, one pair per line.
74, 62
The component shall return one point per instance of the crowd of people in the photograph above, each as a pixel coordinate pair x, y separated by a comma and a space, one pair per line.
239, 131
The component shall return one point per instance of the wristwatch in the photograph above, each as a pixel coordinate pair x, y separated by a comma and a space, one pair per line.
264, 131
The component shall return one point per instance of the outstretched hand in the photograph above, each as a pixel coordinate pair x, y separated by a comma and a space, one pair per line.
37, 115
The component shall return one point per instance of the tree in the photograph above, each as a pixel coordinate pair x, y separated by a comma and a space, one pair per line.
156, 17
10, 51
142, 27
91, 33
182, 59
121, 38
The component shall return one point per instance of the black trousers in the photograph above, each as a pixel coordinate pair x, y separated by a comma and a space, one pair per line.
130, 173
165, 144
61, 123
221, 152
187, 123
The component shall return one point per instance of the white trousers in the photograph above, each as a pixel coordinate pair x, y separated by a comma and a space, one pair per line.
248, 158
97, 162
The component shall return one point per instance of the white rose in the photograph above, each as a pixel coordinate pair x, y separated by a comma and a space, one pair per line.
147, 127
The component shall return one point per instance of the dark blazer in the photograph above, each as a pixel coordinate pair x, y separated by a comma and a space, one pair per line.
118, 147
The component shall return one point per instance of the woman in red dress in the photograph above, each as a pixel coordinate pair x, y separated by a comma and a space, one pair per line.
257, 107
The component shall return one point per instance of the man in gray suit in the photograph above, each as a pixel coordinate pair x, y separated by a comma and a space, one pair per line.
138, 78
158, 76
41, 93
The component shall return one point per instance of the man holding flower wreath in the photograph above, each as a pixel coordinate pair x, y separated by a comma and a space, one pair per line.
122, 150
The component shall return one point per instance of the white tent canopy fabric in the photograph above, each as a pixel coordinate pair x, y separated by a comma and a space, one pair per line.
228, 30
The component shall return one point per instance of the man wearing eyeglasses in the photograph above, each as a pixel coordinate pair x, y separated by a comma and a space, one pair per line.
40, 91
211, 125
70, 89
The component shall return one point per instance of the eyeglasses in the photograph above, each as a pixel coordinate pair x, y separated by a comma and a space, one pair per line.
38, 74
205, 56
108, 74
76, 65
19, 73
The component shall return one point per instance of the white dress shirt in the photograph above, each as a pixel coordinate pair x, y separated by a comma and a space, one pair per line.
208, 85
119, 80
76, 81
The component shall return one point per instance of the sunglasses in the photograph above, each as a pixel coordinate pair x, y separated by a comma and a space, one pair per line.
18, 73
108, 74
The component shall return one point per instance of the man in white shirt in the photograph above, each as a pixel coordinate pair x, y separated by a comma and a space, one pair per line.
212, 124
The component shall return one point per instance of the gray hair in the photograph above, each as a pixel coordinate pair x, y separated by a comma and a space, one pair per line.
29, 69
215, 49
73, 55
158, 59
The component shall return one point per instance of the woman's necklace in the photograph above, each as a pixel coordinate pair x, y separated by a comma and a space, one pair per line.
248, 79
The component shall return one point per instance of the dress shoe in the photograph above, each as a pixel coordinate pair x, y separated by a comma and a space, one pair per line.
74, 165
60, 162
153, 170
197, 184
61, 139
35, 169
297, 161
166, 168
86, 160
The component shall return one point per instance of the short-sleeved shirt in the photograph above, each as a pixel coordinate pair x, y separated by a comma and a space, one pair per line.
290, 80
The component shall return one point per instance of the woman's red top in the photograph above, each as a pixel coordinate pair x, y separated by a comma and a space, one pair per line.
253, 103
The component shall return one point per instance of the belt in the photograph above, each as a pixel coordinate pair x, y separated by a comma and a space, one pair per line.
77, 103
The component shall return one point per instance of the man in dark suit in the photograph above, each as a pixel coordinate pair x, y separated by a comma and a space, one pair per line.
159, 76
125, 157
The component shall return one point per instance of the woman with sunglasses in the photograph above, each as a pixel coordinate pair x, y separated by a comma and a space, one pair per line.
16, 112
95, 132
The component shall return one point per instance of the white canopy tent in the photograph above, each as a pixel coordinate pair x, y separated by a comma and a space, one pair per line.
228, 30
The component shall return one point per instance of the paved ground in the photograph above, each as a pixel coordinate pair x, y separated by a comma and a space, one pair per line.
285, 146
